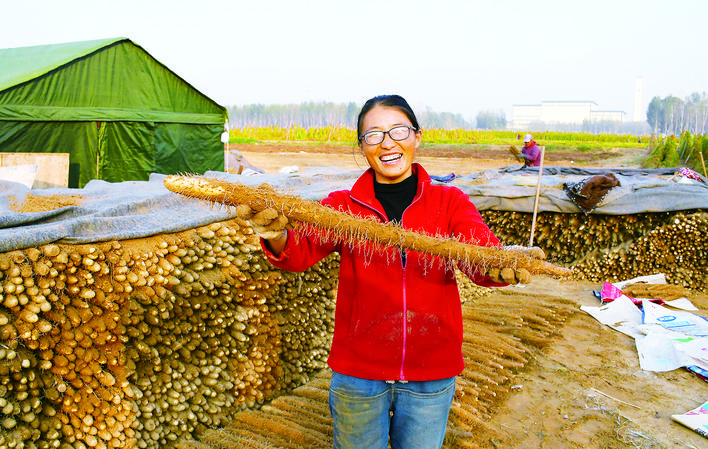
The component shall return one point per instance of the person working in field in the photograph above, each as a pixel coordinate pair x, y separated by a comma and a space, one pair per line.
531, 152
397, 343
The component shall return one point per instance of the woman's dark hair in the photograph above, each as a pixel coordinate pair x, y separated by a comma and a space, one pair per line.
391, 101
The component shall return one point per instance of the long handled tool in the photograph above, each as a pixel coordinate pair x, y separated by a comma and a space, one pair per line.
538, 196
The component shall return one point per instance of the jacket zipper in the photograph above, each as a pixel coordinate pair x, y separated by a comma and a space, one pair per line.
404, 326
403, 270
404, 319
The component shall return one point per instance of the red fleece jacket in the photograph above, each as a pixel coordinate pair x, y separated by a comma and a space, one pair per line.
394, 322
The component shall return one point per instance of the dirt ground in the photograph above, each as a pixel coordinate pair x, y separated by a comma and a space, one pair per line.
437, 160
587, 389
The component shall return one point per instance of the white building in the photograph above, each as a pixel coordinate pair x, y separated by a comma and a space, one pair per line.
561, 112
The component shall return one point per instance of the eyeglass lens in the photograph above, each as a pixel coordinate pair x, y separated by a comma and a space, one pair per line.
396, 133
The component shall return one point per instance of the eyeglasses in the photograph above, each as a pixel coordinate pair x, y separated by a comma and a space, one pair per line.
396, 133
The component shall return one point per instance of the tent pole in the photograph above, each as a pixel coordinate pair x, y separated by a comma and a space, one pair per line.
538, 194
226, 157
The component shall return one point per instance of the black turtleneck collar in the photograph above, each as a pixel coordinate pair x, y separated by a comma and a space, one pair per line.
395, 198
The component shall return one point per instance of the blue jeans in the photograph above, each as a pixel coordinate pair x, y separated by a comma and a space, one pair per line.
367, 412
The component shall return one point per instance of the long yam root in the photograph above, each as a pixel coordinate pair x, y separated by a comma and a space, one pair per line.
355, 228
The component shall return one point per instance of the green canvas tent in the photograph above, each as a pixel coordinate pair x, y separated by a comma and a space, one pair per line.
117, 111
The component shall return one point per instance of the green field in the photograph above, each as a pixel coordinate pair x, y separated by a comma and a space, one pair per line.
344, 135
685, 150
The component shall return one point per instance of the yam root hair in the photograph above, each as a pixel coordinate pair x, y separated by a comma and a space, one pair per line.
351, 228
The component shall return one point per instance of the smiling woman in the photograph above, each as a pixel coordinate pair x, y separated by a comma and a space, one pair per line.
388, 137
397, 341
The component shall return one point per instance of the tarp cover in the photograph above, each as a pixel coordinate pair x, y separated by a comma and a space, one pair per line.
126, 210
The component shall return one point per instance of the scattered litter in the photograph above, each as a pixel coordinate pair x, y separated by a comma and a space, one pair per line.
609, 293
653, 288
696, 419
658, 278
682, 303
700, 372
666, 339
621, 315
686, 175
675, 320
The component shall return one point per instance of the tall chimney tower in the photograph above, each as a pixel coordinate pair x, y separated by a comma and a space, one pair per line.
639, 100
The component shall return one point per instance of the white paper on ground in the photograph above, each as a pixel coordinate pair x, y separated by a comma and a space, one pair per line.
660, 346
696, 350
621, 315
681, 303
696, 419
658, 278
676, 320
663, 350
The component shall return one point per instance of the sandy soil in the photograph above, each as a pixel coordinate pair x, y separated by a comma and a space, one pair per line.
587, 389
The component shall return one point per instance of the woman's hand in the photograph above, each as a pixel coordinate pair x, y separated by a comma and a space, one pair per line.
268, 223
516, 276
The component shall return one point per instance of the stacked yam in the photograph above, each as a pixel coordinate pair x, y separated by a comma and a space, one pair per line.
616, 247
569, 237
147, 342
678, 249
144, 342
304, 311
468, 289
70, 386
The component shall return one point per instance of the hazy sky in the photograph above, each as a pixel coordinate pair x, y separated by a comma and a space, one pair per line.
448, 55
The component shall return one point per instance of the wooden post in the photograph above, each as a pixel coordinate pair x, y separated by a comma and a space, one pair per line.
704, 165
225, 137
226, 157
538, 195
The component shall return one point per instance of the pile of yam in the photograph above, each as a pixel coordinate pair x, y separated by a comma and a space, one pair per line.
611, 248
141, 343
145, 343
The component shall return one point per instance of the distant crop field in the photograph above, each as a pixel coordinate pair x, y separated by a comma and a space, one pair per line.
345, 135
686, 150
